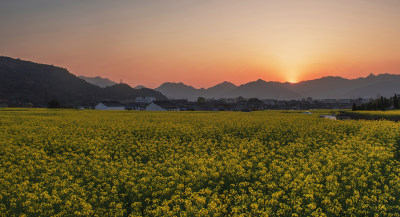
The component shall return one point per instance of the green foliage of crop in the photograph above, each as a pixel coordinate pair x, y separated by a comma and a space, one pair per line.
124, 163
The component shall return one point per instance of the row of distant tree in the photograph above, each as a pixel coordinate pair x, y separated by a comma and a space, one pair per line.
382, 103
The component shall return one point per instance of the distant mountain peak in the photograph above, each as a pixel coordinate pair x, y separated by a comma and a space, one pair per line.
98, 81
225, 84
173, 84
139, 87
257, 82
179, 90
124, 85
228, 83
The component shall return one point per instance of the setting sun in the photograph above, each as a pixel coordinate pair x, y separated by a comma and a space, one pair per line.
202, 43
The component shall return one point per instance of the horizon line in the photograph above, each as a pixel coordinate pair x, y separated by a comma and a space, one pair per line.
181, 82
237, 85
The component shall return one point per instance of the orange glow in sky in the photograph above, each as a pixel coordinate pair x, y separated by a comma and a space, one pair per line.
202, 43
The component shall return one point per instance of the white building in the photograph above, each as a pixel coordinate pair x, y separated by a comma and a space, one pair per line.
109, 105
161, 106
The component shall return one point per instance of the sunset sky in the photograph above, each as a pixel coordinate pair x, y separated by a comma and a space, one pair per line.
203, 42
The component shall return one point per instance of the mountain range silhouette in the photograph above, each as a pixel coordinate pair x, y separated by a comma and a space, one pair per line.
330, 87
28, 82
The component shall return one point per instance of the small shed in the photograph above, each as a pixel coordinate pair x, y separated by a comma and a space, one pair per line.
109, 105
162, 106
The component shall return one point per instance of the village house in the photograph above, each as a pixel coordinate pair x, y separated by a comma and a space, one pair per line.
109, 105
136, 106
162, 106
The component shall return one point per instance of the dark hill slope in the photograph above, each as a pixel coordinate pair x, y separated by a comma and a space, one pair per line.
23, 82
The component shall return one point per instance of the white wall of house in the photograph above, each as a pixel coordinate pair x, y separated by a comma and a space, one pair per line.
154, 107
101, 106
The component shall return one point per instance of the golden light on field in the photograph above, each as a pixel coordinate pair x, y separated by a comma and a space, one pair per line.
138, 163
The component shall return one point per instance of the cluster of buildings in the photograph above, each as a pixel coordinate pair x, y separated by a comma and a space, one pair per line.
231, 104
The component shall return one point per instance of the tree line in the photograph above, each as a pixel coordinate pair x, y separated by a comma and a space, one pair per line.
381, 103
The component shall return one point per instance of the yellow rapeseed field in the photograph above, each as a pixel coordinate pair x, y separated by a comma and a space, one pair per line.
126, 163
